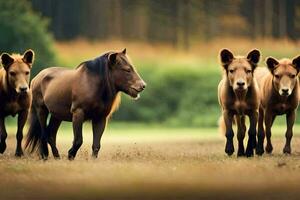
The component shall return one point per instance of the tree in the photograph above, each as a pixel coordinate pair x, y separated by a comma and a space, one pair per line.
22, 29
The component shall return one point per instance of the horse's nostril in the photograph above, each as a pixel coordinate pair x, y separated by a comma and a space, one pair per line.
240, 83
23, 89
285, 90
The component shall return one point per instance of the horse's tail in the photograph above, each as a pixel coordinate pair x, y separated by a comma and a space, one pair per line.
34, 133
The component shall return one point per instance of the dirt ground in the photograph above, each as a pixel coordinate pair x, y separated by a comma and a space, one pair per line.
169, 168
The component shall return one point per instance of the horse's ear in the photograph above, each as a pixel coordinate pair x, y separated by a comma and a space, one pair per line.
112, 58
28, 56
226, 57
271, 63
6, 60
124, 51
296, 63
253, 57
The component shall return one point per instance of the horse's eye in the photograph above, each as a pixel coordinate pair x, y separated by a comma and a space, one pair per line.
231, 71
248, 71
293, 76
126, 70
26, 73
277, 76
12, 73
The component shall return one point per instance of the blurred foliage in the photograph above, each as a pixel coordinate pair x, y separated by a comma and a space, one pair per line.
22, 29
176, 22
177, 96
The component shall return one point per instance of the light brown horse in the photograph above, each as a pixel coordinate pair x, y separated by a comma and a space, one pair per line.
89, 92
238, 96
279, 88
15, 97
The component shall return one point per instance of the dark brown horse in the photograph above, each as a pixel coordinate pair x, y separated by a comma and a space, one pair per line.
89, 92
279, 88
15, 97
239, 96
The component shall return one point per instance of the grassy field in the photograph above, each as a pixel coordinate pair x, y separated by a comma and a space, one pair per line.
138, 162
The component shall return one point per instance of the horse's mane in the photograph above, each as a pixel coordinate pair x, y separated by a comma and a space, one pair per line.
100, 67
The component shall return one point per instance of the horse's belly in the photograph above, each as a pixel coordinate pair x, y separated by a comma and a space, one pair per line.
58, 99
62, 116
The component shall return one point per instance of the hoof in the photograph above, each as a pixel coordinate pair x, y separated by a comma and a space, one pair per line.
19, 154
287, 150
229, 148
241, 153
2, 147
259, 151
249, 152
229, 151
95, 155
44, 158
57, 157
71, 157
269, 149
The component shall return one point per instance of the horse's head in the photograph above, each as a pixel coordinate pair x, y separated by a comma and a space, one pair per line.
124, 74
18, 69
285, 74
239, 69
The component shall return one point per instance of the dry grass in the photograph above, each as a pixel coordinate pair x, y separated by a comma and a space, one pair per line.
181, 166
204, 53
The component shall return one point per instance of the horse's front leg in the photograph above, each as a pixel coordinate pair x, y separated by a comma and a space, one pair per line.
228, 117
98, 129
260, 133
22, 117
253, 118
77, 121
241, 130
3, 135
269, 119
290, 120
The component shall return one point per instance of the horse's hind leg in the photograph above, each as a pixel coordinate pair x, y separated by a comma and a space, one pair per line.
3, 136
241, 130
42, 114
77, 121
52, 129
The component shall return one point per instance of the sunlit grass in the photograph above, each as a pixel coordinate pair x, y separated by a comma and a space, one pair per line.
200, 55
141, 162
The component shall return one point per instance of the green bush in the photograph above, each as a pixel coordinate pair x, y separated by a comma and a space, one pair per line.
177, 96
21, 29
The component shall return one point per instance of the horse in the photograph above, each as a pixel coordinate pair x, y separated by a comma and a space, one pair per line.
238, 96
15, 96
279, 88
89, 92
